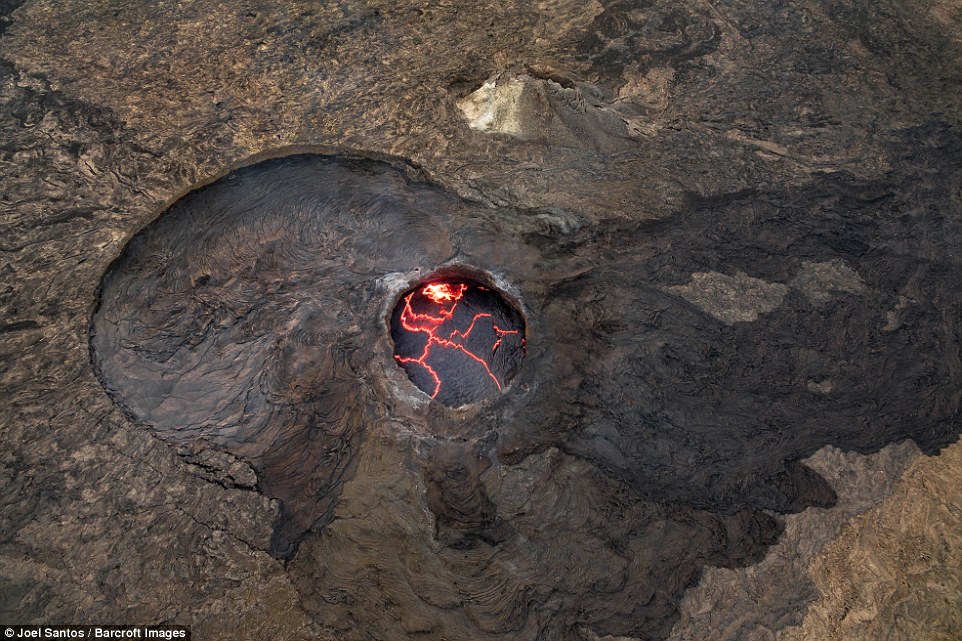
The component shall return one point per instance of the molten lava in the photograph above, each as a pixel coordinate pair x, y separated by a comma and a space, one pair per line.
458, 341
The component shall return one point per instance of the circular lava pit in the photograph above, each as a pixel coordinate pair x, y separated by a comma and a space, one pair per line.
458, 341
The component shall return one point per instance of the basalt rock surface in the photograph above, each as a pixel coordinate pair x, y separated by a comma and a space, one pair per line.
732, 231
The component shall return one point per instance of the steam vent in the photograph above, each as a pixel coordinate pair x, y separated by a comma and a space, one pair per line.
616, 320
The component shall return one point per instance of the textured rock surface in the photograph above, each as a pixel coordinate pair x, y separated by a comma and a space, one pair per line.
806, 149
731, 299
896, 571
744, 603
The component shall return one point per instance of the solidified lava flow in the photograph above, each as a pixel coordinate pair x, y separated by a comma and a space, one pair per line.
457, 340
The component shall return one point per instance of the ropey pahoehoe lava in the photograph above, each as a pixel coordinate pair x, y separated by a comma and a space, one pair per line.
640, 439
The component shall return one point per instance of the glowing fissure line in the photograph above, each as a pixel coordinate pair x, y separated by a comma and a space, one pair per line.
441, 294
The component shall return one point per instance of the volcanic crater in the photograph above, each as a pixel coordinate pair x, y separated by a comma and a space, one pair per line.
662, 433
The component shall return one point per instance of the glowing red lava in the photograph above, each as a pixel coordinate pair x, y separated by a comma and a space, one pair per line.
458, 341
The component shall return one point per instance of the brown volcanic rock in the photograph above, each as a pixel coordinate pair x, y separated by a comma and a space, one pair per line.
749, 603
808, 151
896, 571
